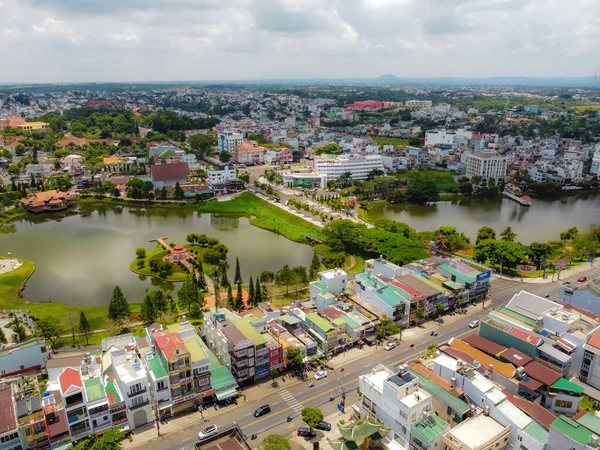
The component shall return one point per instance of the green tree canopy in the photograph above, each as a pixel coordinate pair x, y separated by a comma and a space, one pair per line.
329, 149
294, 355
508, 234
276, 442
420, 192
312, 416
49, 328
84, 327
484, 233
118, 308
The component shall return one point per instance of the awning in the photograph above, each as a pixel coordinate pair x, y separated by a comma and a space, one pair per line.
169, 405
566, 345
227, 393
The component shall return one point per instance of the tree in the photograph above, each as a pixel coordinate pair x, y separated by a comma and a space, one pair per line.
273, 373
420, 192
224, 156
285, 276
538, 252
276, 442
439, 309
312, 416
301, 274
238, 274
267, 276
230, 298
251, 298
294, 355
188, 293
224, 278
508, 235
387, 327
500, 253
163, 193
118, 308
84, 327
3, 339
239, 298
485, 232
421, 314
72, 323
13, 170
50, 329
258, 292
141, 253
329, 149
149, 312
179, 194
315, 265
110, 440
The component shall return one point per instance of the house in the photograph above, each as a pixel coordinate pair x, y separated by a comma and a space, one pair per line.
29, 410
249, 152
479, 432
163, 175
24, 357
74, 399
330, 282
47, 201
9, 433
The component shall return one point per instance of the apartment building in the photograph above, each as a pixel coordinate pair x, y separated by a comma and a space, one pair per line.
220, 176
229, 140
31, 419
74, 400
358, 165
391, 300
56, 420
331, 282
487, 165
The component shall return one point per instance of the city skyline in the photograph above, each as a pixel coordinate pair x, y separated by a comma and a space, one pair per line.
59, 41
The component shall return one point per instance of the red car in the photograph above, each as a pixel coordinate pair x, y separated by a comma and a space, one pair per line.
582, 279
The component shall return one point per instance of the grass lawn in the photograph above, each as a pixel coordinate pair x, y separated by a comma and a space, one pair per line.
158, 253
266, 216
13, 282
595, 106
443, 180
396, 142
10, 214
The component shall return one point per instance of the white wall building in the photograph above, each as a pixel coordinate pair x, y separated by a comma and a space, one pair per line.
229, 140
446, 137
595, 168
359, 166
23, 357
486, 165
220, 176
330, 282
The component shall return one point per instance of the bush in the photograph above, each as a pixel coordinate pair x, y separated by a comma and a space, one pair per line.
141, 263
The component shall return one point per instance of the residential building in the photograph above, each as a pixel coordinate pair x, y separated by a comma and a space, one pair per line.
164, 175
23, 357
250, 153
220, 176
33, 126
487, 165
595, 167
384, 269
445, 138
278, 156
579, 433
47, 201
179, 366
229, 140
74, 400
590, 365
358, 165
427, 432
321, 330
303, 177
116, 402
396, 399
391, 300
418, 104
481, 432
330, 282
31, 419
9, 432
97, 405
159, 382
582, 295
200, 368
56, 419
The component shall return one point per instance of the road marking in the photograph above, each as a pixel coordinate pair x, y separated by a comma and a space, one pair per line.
334, 389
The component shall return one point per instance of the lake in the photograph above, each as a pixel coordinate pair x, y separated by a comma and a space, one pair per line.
544, 220
81, 255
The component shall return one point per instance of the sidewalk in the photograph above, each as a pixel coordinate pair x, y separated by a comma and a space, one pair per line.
333, 419
564, 274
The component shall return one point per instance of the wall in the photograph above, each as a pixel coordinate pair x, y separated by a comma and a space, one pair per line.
31, 357
582, 298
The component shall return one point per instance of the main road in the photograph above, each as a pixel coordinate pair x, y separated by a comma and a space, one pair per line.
289, 400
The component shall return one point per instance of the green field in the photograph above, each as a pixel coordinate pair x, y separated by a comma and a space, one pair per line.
594, 106
443, 180
11, 214
396, 142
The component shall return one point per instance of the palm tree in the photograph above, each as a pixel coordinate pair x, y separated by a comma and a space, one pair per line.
508, 235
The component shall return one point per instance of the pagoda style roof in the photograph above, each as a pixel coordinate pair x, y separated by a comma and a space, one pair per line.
358, 431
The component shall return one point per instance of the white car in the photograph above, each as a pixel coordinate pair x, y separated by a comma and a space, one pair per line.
320, 374
390, 345
474, 324
208, 432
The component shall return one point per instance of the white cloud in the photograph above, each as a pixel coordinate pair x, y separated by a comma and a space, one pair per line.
243, 39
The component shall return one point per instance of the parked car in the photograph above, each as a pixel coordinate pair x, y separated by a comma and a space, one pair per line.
261, 411
325, 426
306, 432
474, 324
582, 279
320, 374
390, 345
208, 432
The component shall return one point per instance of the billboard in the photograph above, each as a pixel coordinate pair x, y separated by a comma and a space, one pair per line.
562, 263
526, 269
484, 276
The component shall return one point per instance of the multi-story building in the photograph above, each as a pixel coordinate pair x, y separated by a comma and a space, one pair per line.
132, 380
24, 357
249, 152
278, 156
97, 405
229, 140
487, 165
396, 399
74, 400
116, 402
179, 366
56, 420
31, 419
9, 432
359, 166
595, 167
391, 300
331, 282
200, 368
481, 432
220, 176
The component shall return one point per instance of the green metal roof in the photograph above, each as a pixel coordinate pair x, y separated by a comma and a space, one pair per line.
390, 294
456, 273
565, 385
320, 285
156, 366
320, 323
357, 431
110, 388
430, 431
290, 320
516, 315
572, 430
536, 432
248, 330
94, 389
591, 422
453, 285
221, 378
350, 321
439, 392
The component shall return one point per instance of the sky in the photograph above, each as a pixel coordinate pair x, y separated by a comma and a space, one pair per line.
152, 40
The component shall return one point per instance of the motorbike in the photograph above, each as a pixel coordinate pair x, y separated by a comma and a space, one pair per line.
412, 345
342, 369
289, 418
432, 333
311, 384
253, 437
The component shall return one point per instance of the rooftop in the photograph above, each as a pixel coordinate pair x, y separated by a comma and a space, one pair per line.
320, 323
8, 421
540, 373
431, 427
196, 351
530, 305
573, 430
94, 389
170, 344
248, 330
504, 369
476, 431
69, 378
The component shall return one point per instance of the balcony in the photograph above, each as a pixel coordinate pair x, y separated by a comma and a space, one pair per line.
102, 426
139, 405
79, 434
120, 421
131, 394
72, 418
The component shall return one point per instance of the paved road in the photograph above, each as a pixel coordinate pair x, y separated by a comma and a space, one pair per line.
286, 401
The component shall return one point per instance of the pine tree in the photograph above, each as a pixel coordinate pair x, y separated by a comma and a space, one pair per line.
201, 280
188, 294
149, 312
118, 308
239, 298
251, 299
84, 327
257, 292
224, 279
315, 265
2, 337
237, 279
230, 298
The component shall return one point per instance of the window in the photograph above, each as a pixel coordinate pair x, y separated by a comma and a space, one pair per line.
137, 400
160, 385
520, 438
563, 404
22, 367
136, 388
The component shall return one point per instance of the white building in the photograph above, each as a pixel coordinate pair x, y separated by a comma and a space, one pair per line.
446, 137
229, 140
220, 176
486, 165
359, 166
23, 357
75, 400
383, 268
387, 298
418, 103
479, 432
396, 399
595, 169
330, 282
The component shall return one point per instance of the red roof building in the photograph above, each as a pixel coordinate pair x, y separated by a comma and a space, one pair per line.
8, 421
485, 345
169, 174
527, 337
540, 373
515, 357
170, 344
533, 410
69, 379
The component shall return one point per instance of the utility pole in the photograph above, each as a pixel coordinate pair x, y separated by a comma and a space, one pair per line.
156, 414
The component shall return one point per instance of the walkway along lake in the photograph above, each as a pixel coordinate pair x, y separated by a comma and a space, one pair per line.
544, 220
80, 256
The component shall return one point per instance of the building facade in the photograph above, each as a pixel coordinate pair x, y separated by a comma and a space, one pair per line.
359, 166
487, 165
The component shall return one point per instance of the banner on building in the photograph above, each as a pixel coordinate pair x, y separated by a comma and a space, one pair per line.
526, 269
